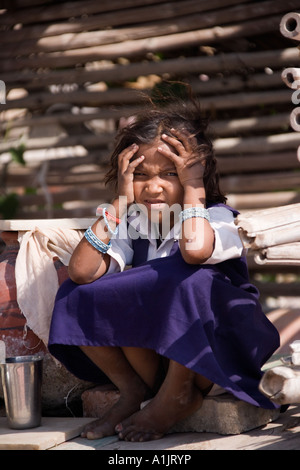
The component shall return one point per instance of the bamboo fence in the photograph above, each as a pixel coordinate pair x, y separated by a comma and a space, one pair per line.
74, 69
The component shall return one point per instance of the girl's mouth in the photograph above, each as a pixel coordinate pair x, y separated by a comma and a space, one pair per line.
154, 203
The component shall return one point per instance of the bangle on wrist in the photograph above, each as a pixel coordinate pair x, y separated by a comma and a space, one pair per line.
194, 212
106, 217
102, 211
96, 242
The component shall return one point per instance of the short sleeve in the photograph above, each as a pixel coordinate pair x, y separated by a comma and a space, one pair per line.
120, 252
228, 244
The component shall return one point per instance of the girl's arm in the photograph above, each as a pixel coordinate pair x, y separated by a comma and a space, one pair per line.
197, 237
87, 263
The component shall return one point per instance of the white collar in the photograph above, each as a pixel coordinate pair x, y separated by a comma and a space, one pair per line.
139, 222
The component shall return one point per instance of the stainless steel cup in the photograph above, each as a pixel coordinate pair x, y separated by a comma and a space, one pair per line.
22, 390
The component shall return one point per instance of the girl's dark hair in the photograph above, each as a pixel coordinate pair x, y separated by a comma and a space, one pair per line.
155, 120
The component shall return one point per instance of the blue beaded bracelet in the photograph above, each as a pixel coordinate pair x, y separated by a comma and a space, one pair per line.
96, 242
194, 212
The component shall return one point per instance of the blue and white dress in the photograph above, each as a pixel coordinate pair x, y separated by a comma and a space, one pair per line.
206, 317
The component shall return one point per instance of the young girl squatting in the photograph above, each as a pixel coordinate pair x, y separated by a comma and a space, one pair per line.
184, 320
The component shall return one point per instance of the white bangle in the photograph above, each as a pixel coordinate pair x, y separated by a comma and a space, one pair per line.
112, 232
194, 212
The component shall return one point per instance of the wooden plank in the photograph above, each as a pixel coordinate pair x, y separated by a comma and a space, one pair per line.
178, 66
86, 23
142, 47
125, 96
264, 182
254, 222
52, 432
67, 10
283, 434
181, 11
257, 163
255, 201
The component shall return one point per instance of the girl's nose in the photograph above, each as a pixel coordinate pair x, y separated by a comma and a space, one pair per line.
154, 186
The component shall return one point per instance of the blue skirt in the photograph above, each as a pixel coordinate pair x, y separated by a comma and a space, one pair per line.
205, 317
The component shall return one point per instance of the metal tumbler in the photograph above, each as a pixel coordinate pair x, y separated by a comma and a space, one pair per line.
22, 390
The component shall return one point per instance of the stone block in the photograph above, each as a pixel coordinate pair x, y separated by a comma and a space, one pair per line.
98, 400
222, 414
225, 414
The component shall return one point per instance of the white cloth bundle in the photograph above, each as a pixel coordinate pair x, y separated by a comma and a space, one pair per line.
36, 276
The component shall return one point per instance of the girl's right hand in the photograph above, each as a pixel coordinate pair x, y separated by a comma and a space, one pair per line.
126, 171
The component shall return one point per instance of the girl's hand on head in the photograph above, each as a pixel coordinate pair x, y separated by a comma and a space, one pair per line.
189, 165
126, 171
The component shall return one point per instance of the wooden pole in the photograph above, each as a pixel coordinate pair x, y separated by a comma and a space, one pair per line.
141, 47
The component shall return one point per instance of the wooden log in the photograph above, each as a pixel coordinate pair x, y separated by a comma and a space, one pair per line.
89, 23
255, 201
254, 183
88, 194
57, 212
262, 182
235, 83
274, 232
68, 9
277, 142
273, 268
142, 47
257, 163
247, 125
128, 96
68, 118
84, 140
186, 23
224, 146
253, 222
290, 26
289, 233
286, 252
176, 67
222, 128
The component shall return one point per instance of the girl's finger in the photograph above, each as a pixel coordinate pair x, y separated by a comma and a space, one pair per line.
128, 153
189, 141
136, 162
168, 153
174, 142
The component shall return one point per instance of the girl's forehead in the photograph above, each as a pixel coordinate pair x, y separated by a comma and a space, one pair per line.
151, 147
156, 166
153, 157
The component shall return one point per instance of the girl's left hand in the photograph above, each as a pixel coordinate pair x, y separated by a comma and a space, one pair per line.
189, 165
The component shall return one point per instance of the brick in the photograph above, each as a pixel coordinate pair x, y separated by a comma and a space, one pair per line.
223, 414
98, 400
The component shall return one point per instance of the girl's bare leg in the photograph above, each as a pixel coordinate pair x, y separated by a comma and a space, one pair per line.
133, 389
178, 397
147, 364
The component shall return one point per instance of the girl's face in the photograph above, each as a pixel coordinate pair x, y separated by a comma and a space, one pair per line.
156, 184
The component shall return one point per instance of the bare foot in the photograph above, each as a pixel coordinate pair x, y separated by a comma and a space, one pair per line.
159, 415
105, 426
